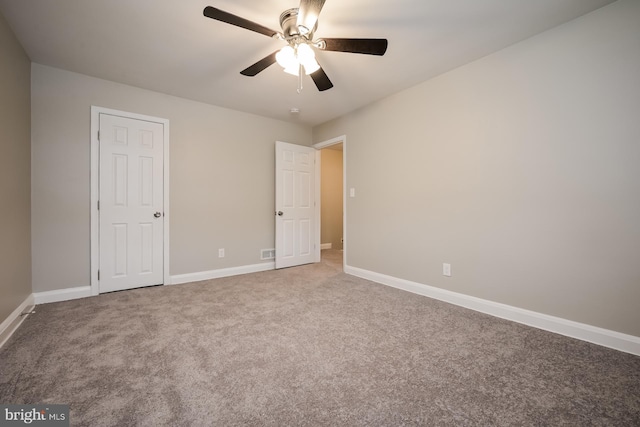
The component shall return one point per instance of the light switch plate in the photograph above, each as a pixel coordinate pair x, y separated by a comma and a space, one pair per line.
446, 269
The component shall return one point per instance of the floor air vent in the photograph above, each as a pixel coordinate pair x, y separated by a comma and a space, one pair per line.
267, 254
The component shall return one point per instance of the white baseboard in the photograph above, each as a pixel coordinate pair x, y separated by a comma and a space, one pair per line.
62, 295
11, 323
581, 331
85, 291
223, 272
324, 246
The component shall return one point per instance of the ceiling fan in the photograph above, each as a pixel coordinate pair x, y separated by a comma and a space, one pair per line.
298, 27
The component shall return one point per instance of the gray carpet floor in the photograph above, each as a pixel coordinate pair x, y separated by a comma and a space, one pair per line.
307, 346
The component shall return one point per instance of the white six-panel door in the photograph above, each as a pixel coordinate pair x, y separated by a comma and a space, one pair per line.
295, 205
130, 203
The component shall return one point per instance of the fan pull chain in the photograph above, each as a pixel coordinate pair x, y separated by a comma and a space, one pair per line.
300, 78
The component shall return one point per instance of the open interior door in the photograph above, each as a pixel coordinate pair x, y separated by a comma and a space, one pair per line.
295, 205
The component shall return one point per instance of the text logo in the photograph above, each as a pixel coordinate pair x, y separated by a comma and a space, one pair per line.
34, 415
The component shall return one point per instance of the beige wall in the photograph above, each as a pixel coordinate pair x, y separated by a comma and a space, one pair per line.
15, 170
331, 197
221, 176
521, 169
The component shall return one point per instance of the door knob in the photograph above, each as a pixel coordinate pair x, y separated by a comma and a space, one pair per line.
157, 215
280, 213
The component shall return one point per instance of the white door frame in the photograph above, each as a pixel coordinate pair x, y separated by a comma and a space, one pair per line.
319, 146
95, 190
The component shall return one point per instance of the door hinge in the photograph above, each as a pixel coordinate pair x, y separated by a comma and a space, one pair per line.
98, 204
98, 274
98, 135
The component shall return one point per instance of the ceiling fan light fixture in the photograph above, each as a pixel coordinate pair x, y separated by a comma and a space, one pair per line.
298, 28
291, 58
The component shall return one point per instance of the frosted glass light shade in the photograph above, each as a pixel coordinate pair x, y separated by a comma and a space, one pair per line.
305, 53
310, 66
293, 69
286, 57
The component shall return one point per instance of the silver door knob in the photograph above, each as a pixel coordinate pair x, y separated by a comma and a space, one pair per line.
280, 213
157, 215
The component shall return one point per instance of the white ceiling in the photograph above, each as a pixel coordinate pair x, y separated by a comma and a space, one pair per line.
169, 46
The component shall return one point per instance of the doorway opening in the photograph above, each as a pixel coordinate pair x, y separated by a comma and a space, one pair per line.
332, 207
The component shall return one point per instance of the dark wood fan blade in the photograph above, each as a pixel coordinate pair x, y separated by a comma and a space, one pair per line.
321, 80
221, 15
365, 46
308, 13
260, 65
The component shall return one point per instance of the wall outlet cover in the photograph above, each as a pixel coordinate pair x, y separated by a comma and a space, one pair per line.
446, 269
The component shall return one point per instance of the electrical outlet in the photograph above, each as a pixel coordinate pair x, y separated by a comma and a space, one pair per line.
221, 253
446, 269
